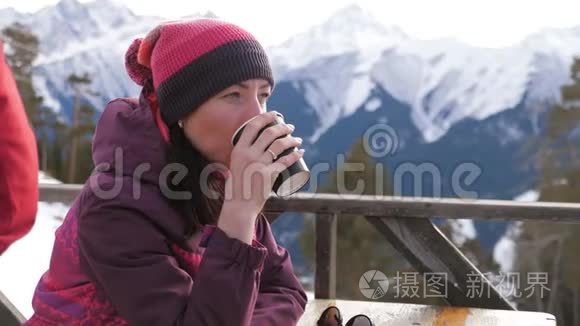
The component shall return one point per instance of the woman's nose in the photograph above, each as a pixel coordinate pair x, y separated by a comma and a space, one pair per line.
256, 107
253, 108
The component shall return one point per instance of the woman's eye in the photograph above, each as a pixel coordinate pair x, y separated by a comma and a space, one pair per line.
234, 95
264, 99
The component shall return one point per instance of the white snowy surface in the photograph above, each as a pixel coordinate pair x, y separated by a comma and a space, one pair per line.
462, 230
22, 265
504, 251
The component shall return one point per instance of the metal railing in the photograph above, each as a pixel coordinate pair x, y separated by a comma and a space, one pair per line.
405, 223
9, 315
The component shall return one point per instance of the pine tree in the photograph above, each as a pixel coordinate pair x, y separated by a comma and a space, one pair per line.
57, 151
82, 124
22, 49
85, 130
552, 247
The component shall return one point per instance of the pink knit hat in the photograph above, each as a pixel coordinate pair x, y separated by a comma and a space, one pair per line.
191, 61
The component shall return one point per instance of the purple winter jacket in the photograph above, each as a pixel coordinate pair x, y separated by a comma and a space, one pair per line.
120, 257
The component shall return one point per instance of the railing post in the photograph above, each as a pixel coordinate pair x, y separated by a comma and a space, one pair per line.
9, 315
429, 251
325, 277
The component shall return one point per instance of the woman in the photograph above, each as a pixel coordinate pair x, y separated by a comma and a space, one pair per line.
147, 242
130, 249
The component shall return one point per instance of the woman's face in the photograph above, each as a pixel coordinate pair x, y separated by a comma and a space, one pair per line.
211, 126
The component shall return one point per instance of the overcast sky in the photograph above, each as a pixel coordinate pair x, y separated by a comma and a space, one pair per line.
489, 23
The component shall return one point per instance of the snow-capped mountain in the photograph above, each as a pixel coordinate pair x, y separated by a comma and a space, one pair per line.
442, 81
334, 65
349, 30
70, 21
90, 37
331, 63
337, 64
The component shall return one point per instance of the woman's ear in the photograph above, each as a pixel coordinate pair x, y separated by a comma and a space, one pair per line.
180, 124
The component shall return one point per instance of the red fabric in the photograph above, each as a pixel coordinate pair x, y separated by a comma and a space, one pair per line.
152, 98
18, 163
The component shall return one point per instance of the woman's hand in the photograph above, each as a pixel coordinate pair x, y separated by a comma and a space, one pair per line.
253, 171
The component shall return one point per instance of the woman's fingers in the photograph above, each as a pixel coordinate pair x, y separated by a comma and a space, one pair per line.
270, 134
282, 144
285, 161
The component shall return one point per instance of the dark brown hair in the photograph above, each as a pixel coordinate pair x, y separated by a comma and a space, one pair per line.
200, 209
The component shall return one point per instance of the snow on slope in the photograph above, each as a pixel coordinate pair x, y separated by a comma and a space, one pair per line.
92, 38
505, 249
9, 15
74, 22
444, 81
462, 230
42, 87
101, 58
554, 50
334, 64
350, 29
